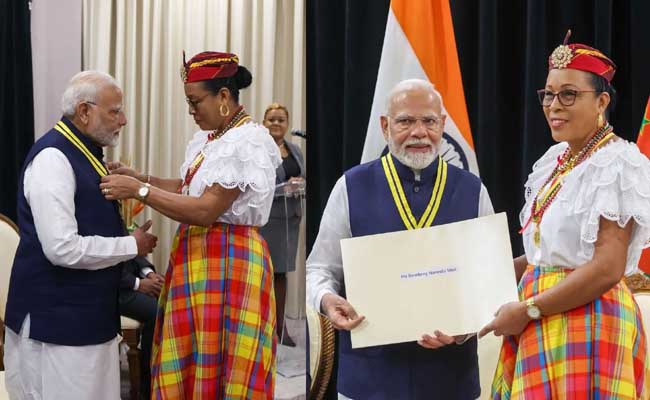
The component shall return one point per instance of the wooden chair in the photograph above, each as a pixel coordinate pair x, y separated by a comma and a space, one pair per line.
9, 239
131, 330
3, 391
321, 352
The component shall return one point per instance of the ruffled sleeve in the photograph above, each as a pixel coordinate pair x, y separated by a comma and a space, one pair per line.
246, 158
614, 183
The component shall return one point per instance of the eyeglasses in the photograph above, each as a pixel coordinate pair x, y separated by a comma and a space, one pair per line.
566, 97
408, 122
194, 103
114, 112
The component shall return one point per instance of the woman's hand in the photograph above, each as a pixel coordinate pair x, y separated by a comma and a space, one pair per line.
511, 319
119, 187
294, 185
117, 168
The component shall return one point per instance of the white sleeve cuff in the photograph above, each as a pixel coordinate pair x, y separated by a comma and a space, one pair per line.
319, 299
132, 246
137, 283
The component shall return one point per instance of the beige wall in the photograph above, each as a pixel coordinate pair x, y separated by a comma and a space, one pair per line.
56, 56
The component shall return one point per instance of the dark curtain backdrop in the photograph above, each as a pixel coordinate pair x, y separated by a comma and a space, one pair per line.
503, 47
16, 99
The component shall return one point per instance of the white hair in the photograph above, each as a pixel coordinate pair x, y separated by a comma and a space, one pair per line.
409, 85
416, 161
84, 87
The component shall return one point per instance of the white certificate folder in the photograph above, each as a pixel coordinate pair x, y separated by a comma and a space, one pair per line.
451, 278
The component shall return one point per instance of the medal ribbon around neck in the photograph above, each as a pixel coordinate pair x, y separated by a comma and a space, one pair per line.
68, 134
198, 160
62, 128
399, 197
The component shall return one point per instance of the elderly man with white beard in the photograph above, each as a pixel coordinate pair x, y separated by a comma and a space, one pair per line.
376, 197
62, 317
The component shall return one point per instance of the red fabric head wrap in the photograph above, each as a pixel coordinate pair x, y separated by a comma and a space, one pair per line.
581, 57
209, 65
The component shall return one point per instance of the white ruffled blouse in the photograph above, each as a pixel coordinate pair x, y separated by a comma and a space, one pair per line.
613, 183
245, 157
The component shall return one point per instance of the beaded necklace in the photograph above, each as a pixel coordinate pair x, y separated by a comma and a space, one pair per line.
565, 163
239, 118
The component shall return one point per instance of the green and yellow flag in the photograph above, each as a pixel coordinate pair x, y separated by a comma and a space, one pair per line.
643, 141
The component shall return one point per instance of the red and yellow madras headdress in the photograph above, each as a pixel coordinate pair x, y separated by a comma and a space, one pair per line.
209, 65
581, 57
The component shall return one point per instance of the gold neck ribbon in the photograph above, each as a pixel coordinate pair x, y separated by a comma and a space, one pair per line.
65, 131
400, 198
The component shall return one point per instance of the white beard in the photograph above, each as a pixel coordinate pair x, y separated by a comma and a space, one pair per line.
417, 161
106, 139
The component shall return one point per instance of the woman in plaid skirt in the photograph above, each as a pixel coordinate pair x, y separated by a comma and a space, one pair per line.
214, 335
577, 331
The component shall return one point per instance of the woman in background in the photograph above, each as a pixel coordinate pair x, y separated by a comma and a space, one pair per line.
281, 232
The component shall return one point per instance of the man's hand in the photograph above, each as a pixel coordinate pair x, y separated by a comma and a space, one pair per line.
145, 241
437, 341
340, 312
150, 287
297, 181
157, 277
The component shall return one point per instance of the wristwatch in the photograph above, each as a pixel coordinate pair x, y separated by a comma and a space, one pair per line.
532, 310
143, 192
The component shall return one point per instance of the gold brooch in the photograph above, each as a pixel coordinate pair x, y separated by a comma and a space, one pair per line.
561, 56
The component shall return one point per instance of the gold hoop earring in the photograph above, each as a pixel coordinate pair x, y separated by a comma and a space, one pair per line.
222, 112
601, 121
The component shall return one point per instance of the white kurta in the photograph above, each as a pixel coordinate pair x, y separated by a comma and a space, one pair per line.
325, 264
614, 183
37, 370
244, 157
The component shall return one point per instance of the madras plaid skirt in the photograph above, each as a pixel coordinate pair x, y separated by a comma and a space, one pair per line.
597, 351
214, 335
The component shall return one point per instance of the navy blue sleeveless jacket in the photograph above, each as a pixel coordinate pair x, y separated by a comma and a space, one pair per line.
67, 306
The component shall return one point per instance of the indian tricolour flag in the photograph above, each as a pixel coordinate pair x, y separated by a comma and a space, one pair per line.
419, 43
643, 141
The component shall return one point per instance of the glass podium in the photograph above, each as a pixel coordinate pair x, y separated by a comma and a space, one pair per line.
289, 205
